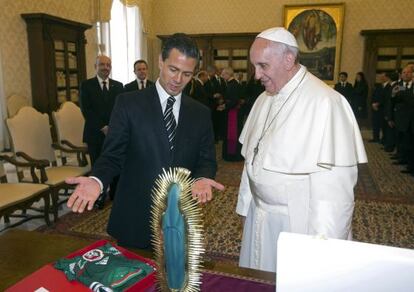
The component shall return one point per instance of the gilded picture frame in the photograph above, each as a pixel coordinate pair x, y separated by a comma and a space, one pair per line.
318, 28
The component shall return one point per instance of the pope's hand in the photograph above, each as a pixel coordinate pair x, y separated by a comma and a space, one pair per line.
202, 189
86, 193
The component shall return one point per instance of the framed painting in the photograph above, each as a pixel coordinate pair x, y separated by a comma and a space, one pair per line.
318, 30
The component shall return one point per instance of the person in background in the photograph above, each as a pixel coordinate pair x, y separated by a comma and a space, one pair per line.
403, 115
301, 145
345, 88
97, 99
215, 88
141, 72
195, 88
151, 130
389, 103
253, 89
233, 121
378, 101
360, 96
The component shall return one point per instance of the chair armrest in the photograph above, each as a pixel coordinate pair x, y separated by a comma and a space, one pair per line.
73, 146
15, 162
60, 147
80, 151
37, 162
32, 163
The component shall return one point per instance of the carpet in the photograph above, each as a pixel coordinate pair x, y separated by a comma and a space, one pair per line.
384, 210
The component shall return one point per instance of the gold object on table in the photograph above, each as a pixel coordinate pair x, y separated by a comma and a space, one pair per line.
175, 184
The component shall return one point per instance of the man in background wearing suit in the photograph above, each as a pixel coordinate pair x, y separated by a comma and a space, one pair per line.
152, 129
97, 99
195, 88
141, 71
345, 88
215, 88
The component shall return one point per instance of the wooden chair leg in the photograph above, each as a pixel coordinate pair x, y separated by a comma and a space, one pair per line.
55, 204
46, 199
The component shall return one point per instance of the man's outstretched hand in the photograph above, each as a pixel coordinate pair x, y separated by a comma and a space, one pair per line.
202, 189
86, 193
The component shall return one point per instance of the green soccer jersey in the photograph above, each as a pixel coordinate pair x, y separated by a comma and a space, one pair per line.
104, 269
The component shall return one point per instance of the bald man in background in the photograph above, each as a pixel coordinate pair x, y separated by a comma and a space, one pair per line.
97, 99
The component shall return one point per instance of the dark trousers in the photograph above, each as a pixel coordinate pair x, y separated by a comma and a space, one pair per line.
410, 153
403, 145
218, 124
389, 139
378, 125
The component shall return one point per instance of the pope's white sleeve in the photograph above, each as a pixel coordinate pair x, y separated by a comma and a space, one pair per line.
245, 195
332, 202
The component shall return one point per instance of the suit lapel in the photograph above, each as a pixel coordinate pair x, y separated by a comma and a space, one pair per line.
158, 121
183, 124
98, 90
111, 86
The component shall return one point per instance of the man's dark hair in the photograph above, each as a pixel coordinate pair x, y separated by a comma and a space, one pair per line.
392, 75
182, 43
140, 61
344, 73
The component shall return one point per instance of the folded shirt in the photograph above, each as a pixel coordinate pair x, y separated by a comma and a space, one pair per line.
104, 269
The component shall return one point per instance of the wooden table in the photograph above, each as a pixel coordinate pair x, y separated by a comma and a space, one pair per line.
23, 252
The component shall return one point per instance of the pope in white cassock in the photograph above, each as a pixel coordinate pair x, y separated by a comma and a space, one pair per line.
301, 145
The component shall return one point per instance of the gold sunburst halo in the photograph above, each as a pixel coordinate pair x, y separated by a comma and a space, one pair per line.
194, 227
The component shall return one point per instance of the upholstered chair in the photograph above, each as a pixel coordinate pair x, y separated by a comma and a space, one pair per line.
32, 143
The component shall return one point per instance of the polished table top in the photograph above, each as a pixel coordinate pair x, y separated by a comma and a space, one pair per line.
23, 252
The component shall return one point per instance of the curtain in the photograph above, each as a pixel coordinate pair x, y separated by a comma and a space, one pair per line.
125, 39
4, 143
120, 36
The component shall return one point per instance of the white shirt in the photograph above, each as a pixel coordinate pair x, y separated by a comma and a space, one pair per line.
163, 95
142, 85
101, 80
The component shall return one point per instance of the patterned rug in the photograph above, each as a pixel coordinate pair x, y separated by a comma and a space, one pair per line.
384, 211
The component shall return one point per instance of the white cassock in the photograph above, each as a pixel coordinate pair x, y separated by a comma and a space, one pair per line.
302, 177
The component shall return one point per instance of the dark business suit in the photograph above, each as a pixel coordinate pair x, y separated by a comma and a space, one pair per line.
96, 109
196, 90
379, 96
402, 115
216, 85
134, 85
390, 132
253, 89
137, 147
360, 99
347, 91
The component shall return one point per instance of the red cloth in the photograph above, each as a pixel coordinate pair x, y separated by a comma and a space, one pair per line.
232, 132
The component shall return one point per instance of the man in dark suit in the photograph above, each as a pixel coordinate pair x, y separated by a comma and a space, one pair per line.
140, 144
97, 99
215, 88
378, 101
253, 89
345, 88
195, 88
389, 102
402, 115
141, 71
